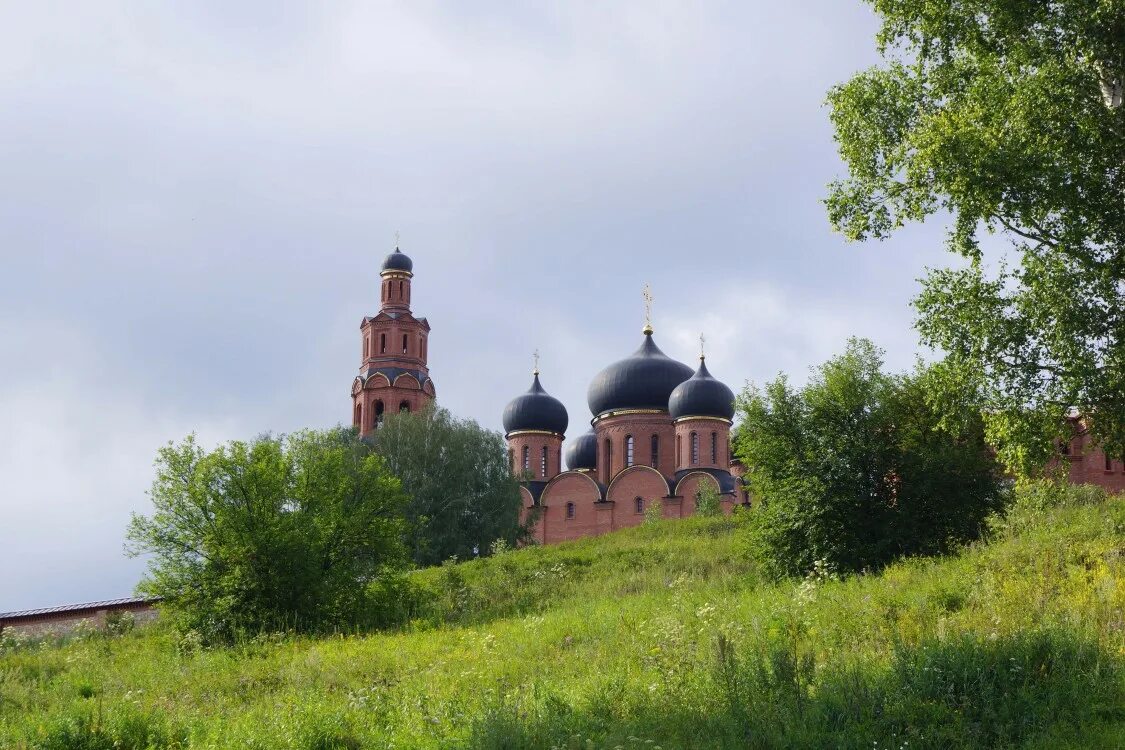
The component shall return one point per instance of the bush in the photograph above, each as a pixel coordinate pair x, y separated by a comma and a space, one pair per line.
858, 467
276, 534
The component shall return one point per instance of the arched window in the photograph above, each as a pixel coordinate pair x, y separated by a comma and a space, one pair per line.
400, 290
526, 458
714, 447
377, 420
570, 510
543, 463
1108, 463
628, 451
405, 340
694, 448
421, 347
359, 415
366, 346
558, 458
679, 450
382, 343
512, 460
655, 450
608, 456
404, 406
638, 505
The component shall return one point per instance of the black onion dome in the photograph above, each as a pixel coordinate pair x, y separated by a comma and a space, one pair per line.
582, 453
641, 381
535, 410
701, 396
398, 261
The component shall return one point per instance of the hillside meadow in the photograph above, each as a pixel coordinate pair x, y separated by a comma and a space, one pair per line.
659, 636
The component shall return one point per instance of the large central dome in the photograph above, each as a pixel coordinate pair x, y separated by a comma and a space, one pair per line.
644, 380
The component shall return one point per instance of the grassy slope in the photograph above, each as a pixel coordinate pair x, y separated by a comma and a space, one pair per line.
616, 641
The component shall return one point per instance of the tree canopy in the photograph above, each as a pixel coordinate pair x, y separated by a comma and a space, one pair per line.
277, 533
856, 468
1006, 116
462, 495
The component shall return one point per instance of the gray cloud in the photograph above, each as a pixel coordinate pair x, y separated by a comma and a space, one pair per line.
197, 197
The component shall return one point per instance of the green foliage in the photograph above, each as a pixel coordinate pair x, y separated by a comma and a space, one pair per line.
707, 502
462, 493
857, 468
657, 636
275, 534
1006, 116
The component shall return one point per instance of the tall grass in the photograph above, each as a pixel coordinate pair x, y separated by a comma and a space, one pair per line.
662, 635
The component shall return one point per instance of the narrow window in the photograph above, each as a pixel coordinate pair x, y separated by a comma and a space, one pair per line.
638, 505
404, 406
378, 413
628, 451
570, 510
526, 458
679, 450
694, 448
1108, 463
543, 463
366, 346
512, 460
558, 458
714, 447
358, 415
655, 450
608, 456
405, 339
382, 343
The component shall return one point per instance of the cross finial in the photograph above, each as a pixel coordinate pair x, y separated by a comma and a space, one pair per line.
702, 341
648, 298
396, 239
535, 356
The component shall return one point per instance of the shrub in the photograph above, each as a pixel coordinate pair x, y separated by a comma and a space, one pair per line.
276, 534
858, 467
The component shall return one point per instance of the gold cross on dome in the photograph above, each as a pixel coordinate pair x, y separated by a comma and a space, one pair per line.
535, 356
396, 239
702, 341
647, 294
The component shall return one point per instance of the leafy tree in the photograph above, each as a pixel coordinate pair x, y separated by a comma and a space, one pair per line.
857, 468
1005, 115
277, 533
463, 496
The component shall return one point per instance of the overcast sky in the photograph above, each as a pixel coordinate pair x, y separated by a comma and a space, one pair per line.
196, 199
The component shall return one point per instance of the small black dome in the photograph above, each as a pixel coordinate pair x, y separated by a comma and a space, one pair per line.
641, 381
582, 453
701, 396
535, 410
398, 261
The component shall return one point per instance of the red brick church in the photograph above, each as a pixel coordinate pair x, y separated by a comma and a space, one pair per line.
660, 432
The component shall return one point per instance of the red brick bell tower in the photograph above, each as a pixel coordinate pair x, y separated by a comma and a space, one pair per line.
393, 373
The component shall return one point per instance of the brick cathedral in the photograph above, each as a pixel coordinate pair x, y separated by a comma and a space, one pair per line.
660, 432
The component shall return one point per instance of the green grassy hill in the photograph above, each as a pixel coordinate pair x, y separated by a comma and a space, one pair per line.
659, 636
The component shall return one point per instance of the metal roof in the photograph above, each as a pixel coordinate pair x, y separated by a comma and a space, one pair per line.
64, 608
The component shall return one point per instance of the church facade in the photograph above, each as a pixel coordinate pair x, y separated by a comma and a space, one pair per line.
660, 435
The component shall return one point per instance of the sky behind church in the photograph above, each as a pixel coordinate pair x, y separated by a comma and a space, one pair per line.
197, 196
